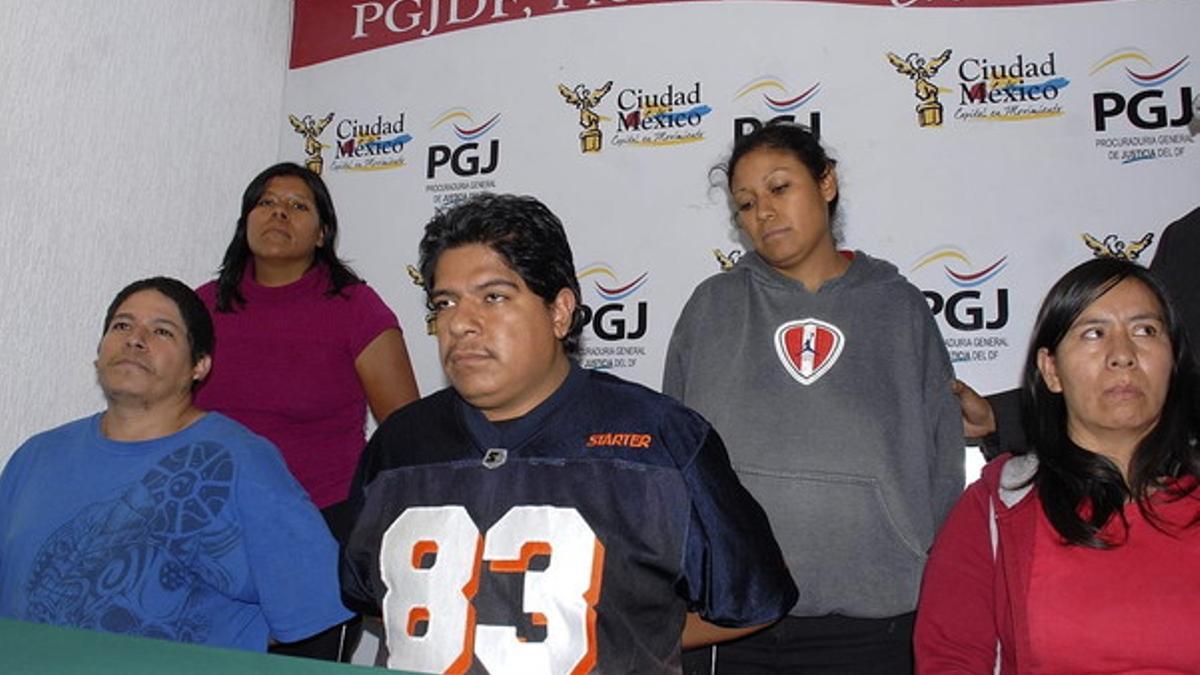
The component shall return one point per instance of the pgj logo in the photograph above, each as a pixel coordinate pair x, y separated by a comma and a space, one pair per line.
963, 306
775, 94
1130, 58
468, 157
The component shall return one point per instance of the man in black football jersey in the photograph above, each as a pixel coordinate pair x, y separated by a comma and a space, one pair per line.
536, 517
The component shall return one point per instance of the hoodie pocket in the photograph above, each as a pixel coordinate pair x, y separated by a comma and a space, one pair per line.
843, 544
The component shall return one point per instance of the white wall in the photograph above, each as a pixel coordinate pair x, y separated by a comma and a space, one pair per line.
128, 130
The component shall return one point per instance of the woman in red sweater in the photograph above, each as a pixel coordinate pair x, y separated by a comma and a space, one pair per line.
1082, 556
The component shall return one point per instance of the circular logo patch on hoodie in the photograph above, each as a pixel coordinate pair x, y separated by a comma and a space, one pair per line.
808, 348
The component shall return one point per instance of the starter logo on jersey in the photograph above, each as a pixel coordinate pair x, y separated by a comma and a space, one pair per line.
619, 440
808, 348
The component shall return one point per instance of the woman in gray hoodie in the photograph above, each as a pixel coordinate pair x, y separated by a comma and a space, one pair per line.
826, 374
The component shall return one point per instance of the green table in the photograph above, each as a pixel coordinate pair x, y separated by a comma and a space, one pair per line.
38, 649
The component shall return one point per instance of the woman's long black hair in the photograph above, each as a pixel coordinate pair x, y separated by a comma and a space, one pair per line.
229, 298
1080, 490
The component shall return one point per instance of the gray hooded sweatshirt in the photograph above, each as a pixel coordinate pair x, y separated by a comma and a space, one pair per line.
838, 414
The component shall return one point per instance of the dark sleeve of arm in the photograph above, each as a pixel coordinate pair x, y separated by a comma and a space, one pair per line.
944, 418
361, 549
1174, 265
1166, 264
1173, 261
955, 631
1010, 430
674, 382
734, 571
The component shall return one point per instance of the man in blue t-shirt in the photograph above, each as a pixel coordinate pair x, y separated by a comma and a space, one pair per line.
536, 517
154, 518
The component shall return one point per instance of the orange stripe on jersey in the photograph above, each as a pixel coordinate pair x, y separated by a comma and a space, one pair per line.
528, 550
416, 617
420, 550
467, 655
588, 662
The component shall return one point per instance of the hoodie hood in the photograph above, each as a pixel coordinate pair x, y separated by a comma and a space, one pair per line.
864, 270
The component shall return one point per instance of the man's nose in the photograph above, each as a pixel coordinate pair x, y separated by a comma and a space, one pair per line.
136, 338
463, 320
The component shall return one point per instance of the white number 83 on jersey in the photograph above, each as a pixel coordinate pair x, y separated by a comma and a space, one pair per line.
427, 608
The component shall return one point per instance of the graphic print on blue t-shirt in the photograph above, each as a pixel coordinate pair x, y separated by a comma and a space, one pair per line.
126, 565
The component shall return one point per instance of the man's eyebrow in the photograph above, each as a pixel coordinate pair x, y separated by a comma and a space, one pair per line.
169, 322
157, 320
284, 193
498, 281
479, 287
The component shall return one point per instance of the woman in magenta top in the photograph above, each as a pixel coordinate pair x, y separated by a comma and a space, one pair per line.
304, 346
1082, 556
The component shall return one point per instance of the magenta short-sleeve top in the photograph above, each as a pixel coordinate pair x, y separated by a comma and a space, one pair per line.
284, 367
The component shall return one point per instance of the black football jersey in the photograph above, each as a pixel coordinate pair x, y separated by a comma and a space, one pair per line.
571, 540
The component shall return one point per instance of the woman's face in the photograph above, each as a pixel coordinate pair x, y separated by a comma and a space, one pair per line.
284, 226
781, 208
1113, 367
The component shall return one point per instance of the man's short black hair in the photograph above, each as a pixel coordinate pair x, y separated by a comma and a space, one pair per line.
196, 318
525, 233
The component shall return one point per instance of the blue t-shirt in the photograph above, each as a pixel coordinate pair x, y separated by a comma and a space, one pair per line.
201, 536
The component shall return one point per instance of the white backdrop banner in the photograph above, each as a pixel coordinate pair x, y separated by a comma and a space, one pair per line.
984, 146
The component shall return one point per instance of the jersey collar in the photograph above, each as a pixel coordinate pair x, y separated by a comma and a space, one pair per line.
512, 434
